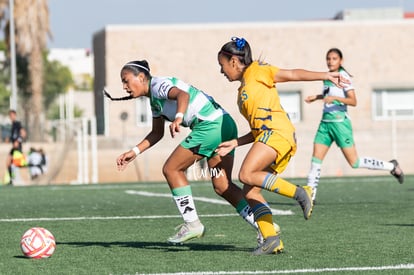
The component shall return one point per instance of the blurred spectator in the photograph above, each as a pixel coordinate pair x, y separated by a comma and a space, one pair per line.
35, 161
16, 159
44, 160
17, 133
5, 132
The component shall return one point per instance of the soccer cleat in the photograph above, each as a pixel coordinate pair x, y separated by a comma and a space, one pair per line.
304, 197
260, 238
186, 232
314, 190
397, 171
272, 245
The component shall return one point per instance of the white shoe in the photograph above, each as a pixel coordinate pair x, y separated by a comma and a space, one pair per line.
187, 232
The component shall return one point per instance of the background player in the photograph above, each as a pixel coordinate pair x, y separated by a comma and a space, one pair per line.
335, 126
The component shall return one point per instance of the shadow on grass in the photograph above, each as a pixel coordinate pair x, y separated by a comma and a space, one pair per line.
22, 257
400, 224
317, 203
160, 246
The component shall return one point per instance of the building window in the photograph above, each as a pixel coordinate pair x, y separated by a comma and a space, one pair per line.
291, 102
397, 103
143, 111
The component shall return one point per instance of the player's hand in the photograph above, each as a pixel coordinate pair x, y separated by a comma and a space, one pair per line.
175, 126
329, 99
226, 147
123, 160
310, 99
338, 79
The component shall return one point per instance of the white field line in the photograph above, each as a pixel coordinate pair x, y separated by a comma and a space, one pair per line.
293, 271
203, 199
108, 218
142, 193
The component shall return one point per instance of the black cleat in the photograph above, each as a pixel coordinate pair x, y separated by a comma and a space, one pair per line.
397, 171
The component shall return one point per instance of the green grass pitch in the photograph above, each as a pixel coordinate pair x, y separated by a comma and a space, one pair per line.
360, 225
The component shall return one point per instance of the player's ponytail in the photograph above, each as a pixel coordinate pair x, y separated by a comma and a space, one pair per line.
116, 98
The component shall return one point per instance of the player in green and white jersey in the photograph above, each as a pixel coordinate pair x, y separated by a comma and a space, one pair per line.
335, 126
184, 105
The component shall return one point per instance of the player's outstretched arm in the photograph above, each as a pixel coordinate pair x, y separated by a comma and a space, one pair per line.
150, 140
303, 75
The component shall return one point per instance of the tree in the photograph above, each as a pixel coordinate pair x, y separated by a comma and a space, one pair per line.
4, 79
31, 18
57, 80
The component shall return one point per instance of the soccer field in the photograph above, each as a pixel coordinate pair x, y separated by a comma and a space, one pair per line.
362, 225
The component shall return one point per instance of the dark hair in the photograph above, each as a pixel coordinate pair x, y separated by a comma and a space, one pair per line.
238, 47
134, 67
339, 53
137, 67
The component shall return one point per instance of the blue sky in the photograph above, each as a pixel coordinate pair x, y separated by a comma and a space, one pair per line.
74, 22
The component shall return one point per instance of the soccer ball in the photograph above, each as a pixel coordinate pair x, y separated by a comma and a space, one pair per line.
37, 242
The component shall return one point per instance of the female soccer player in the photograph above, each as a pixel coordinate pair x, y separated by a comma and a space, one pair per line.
184, 105
335, 126
272, 134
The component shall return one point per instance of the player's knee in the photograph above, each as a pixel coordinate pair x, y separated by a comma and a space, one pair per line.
167, 170
245, 177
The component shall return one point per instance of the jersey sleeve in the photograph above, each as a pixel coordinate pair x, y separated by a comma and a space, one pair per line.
348, 86
267, 74
162, 88
160, 103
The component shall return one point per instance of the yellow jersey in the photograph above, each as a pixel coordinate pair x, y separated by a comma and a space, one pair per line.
259, 103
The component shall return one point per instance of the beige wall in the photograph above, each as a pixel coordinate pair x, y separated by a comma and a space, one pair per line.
378, 53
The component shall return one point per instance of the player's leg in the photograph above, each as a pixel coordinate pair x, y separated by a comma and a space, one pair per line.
174, 172
269, 231
205, 138
373, 163
255, 175
254, 172
319, 153
345, 141
9, 173
220, 172
321, 144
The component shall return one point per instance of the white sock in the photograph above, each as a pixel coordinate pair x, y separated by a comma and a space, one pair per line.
186, 206
247, 214
314, 174
374, 164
